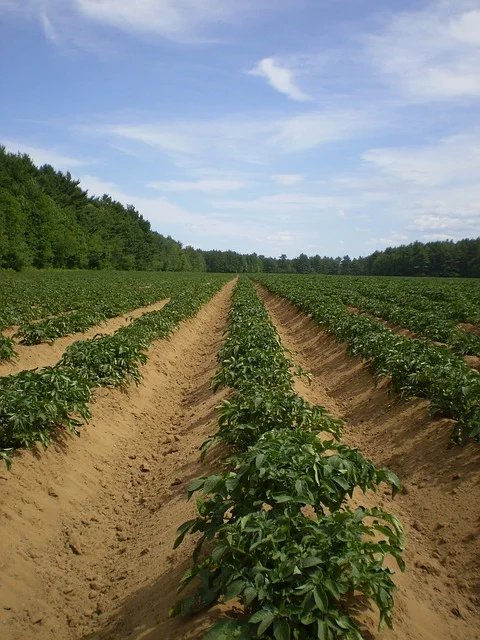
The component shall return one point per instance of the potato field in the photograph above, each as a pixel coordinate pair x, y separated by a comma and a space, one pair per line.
190, 456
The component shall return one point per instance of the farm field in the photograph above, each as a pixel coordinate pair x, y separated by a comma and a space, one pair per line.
88, 526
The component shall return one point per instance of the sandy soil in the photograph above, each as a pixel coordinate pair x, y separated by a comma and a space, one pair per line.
48, 354
439, 595
87, 527
470, 327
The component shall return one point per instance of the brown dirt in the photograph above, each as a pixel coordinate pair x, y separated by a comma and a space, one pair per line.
87, 527
470, 327
48, 354
439, 594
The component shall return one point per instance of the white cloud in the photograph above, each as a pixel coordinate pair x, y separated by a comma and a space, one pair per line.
42, 156
280, 236
256, 140
48, 28
288, 202
392, 240
174, 19
280, 78
288, 179
186, 140
455, 159
317, 128
192, 227
197, 185
156, 136
452, 224
433, 53
187, 21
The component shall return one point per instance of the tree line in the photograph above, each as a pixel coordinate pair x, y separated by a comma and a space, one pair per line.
47, 220
435, 259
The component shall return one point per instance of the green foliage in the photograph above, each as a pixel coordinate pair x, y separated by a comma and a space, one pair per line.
33, 404
7, 349
50, 304
47, 220
50, 329
414, 367
291, 573
244, 417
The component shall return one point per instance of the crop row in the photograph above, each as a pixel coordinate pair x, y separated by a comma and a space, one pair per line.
276, 529
415, 367
406, 308
451, 299
51, 304
33, 404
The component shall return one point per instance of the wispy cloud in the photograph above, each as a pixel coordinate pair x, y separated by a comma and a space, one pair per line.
180, 20
454, 159
184, 21
433, 53
316, 128
253, 139
392, 240
193, 227
289, 202
42, 155
197, 185
288, 179
171, 139
280, 78
48, 28
280, 236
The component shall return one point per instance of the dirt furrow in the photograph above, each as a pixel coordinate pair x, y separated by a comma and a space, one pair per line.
87, 527
48, 354
439, 595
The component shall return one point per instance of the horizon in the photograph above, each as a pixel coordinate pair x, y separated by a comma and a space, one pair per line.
296, 128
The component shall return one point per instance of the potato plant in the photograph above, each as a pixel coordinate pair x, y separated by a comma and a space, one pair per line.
49, 304
33, 404
292, 571
7, 349
414, 367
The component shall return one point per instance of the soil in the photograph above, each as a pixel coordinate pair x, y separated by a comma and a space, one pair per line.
467, 326
87, 527
439, 594
48, 354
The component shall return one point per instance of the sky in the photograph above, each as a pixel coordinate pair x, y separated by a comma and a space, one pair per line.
327, 127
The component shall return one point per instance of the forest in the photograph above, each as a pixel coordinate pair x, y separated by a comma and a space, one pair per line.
48, 221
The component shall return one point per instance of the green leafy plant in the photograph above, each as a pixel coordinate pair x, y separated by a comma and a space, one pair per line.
293, 574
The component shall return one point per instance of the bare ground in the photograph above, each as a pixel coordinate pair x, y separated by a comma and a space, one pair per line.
48, 354
87, 527
439, 594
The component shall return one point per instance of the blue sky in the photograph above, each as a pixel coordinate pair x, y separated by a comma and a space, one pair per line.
274, 126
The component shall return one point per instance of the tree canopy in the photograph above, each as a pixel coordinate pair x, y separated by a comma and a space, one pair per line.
48, 220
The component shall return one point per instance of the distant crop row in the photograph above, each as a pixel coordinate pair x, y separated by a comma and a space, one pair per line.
450, 298
33, 404
292, 570
430, 310
51, 304
414, 367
